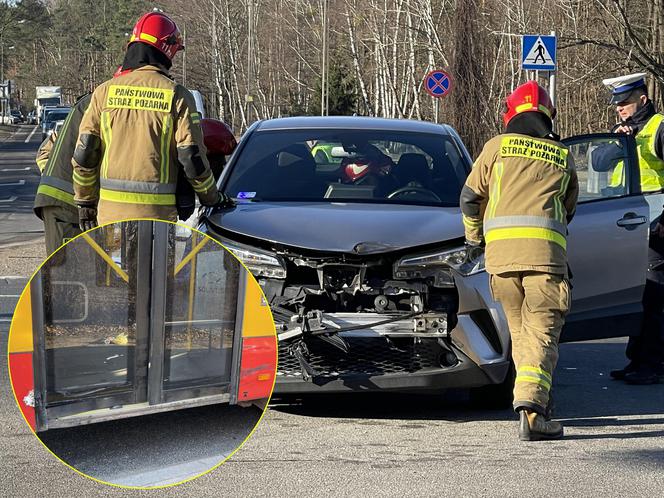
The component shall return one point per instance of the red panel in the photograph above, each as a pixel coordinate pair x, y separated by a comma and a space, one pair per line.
20, 370
257, 368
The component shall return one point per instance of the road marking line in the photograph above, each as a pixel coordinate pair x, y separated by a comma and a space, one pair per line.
10, 295
16, 169
11, 199
20, 182
31, 134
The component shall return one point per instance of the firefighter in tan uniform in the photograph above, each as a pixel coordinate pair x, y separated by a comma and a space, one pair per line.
54, 202
518, 199
139, 129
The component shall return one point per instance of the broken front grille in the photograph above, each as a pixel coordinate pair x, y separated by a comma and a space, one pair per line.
366, 356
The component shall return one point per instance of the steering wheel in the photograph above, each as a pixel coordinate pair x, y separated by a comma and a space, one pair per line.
417, 190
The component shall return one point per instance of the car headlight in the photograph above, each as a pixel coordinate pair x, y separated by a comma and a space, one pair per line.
260, 263
466, 261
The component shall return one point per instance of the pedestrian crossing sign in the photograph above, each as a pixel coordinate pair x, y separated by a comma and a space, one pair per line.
538, 52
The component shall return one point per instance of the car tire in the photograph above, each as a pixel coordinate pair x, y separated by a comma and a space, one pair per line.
495, 396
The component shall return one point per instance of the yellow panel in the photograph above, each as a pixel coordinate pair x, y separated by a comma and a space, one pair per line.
257, 320
20, 334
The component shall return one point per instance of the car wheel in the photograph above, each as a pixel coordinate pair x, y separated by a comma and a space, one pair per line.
495, 396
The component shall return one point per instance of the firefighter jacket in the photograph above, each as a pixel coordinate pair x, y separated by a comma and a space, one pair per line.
518, 198
54, 160
139, 130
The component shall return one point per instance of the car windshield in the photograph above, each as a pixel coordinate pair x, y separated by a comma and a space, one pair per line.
324, 165
56, 115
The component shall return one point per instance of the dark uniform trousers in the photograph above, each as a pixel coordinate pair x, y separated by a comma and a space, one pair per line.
60, 226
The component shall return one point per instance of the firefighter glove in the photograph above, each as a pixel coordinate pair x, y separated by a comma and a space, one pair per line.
87, 216
224, 201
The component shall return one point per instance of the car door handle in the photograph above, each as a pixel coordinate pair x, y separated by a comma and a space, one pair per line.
631, 220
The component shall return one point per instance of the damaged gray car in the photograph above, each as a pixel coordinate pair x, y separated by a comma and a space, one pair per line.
352, 227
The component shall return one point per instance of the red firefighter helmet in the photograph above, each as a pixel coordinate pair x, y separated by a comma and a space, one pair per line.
527, 98
160, 31
218, 137
369, 161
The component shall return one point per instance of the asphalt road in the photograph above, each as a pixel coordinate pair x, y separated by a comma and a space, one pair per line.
19, 178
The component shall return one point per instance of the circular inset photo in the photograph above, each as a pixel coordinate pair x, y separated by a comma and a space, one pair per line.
142, 353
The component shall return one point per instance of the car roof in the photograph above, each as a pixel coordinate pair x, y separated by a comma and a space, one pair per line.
352, 122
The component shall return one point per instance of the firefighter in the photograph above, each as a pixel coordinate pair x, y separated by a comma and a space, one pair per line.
54, 202
219, 142
140, 128
639, 117
517, 200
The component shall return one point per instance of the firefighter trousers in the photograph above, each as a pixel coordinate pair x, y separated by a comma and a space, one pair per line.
535, 304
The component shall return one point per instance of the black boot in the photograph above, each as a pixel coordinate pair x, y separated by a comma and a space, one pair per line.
645, 376
620, 374
534, 427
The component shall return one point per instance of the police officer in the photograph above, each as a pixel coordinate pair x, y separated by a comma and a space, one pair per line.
518, 199
140, 128
54, 202
638, 117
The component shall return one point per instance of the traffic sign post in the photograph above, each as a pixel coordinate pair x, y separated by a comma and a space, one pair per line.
438, 84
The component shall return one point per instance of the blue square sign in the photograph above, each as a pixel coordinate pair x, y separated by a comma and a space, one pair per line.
538, 52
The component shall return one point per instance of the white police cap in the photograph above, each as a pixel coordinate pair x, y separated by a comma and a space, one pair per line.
622, 86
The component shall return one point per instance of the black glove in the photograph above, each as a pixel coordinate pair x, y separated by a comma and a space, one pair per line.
473, 249
224, 201
87, 216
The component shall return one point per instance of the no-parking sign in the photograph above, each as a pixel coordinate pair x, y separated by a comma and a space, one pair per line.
437, 83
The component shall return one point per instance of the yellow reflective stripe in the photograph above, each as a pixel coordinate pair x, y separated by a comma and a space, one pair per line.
544, 109
41, 164
85, 181
494, 197
533, 149
148, 37
58, 143
56, 193
107, 138
523, 107
538, 371
526, 233
164, 151
195, 117
205, 185
558, 198
136, 198
534, 380
470, 222
139, 98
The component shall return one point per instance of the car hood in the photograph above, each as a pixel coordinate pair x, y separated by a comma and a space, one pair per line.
342, 227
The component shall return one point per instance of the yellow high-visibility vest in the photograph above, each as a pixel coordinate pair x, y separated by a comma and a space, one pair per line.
650, 166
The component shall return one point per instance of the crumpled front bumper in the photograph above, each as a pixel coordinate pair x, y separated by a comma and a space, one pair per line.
395, 357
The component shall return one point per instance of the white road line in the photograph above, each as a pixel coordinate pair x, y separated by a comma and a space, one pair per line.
20, 182
10, 295
12, 277
31, 134
11, 199
16, 169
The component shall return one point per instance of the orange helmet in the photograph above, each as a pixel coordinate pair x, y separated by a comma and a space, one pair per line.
160, 31
218, 137
527, 98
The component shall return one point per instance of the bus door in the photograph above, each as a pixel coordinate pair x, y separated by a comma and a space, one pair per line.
134, 317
